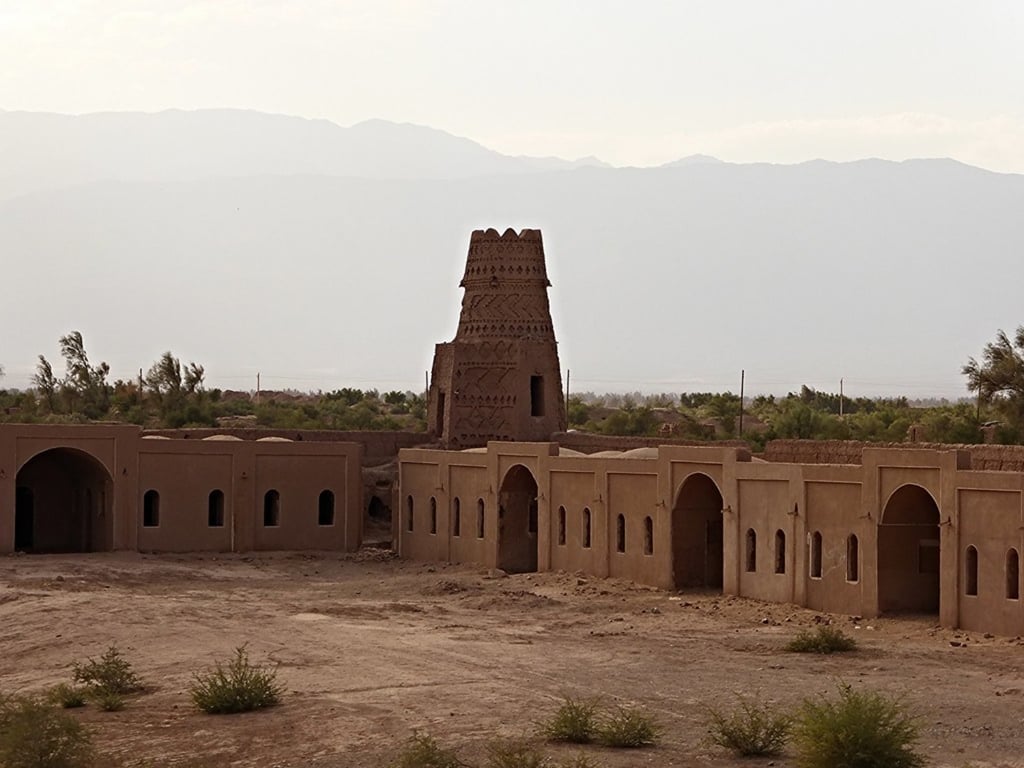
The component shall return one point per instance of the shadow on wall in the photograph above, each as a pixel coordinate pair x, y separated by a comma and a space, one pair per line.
377, 524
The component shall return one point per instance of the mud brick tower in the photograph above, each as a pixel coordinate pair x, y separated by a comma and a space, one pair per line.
499, 378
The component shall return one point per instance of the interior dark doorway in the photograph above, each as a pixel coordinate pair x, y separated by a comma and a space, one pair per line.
517, 522
697, 534
908, 553
64, 504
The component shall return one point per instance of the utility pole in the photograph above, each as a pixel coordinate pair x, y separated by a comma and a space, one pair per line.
567, 374
257, 388
840, 398
743, 376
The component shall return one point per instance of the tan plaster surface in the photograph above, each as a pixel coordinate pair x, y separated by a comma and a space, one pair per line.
370, 647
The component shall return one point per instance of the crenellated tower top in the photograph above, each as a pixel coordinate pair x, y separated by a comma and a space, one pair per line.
506, 284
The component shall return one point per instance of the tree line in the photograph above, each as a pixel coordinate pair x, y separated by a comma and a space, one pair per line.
172, 394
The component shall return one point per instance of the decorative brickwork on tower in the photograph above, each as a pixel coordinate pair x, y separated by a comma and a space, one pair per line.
499, 378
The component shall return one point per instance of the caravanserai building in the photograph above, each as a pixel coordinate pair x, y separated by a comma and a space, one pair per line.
839, 527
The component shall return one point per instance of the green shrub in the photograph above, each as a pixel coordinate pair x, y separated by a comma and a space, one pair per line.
112, 672
751, 729
67, 696
238, 686
35, 734
824, 639
421, 751
108, 700
574, 722
860, 729
628, 727
514, 753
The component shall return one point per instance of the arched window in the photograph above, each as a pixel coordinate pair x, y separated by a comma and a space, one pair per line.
852, 558
151, 509
971, 571
325, 508
271, 509
409, 519
1012, 575
479, 518
751, 551
433, 515
215, 509
648, 536
780, 552
620, 534
561, 526
816, 555
456, 516
586, 527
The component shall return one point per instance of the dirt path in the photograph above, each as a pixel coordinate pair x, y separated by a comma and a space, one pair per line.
371, 648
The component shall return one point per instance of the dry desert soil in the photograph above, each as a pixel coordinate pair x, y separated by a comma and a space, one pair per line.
370, 648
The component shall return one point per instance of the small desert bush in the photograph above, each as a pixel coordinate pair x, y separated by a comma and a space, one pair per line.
36, 734
421, 751
237, 686
68, 696
108, 700
858, 729
628, 727
111, 672
824, 639
514, 753
751, 729
574, 722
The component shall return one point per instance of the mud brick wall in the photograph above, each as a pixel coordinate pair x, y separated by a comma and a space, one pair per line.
999, 458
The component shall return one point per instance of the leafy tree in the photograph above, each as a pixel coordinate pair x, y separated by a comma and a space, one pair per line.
999, 377
46, 383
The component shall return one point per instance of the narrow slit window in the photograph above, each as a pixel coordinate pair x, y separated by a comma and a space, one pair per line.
151, 509
456, 517
648, 536
536, 395
271, 509
215, 509
586, 527
561, 526
479, 518
325, 508
816, 555
751, 551
971, 572
852, 558
1012, 575
409, 509
433, 515
620, 534
780, 552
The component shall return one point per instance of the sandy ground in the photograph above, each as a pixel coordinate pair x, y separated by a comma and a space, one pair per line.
370, 648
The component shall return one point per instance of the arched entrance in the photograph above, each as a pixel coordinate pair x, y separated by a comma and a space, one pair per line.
697, 541
64, 503
517, 521
908, 552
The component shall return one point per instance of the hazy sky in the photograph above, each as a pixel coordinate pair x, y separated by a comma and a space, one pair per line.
632, 82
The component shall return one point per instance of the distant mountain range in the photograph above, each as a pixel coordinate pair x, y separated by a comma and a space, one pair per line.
324, 256
48, 151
